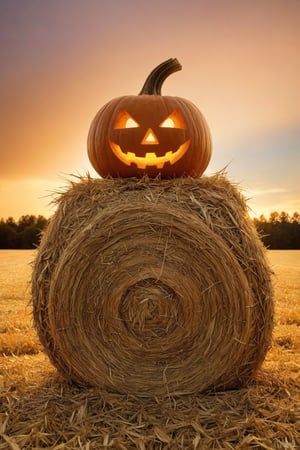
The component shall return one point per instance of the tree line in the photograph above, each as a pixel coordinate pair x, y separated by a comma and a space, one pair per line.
22, 234
279, 231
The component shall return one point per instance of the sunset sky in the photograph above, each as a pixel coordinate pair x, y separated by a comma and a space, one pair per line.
61, 60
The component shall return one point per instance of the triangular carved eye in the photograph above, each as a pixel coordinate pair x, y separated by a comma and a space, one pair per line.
174, 120
124, 120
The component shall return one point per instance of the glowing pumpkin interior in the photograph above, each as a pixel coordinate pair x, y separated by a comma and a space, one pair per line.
124, 120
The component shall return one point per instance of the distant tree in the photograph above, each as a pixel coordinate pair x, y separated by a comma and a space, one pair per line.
274, 217
23, 234
295, 222
279, 232
26, 222
11, 222
8, 235
296, 217
41, 222
29, 237
284, 217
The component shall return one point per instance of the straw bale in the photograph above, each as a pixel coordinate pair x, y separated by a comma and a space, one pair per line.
153, 287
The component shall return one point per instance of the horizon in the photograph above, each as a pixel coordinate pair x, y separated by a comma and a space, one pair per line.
252, 216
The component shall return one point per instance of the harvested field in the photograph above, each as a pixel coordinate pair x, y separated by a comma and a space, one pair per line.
40, 410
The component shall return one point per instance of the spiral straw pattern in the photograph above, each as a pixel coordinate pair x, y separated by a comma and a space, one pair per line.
153, 287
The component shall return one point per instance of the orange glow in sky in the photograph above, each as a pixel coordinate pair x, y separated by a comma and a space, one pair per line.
62, 61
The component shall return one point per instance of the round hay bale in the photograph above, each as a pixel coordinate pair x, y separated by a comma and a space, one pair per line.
153, 287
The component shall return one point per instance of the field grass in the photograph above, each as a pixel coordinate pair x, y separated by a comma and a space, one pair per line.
39, 410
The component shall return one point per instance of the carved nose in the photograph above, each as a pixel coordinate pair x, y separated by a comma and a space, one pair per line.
150, 138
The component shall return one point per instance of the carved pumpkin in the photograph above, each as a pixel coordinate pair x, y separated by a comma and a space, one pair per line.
150, 133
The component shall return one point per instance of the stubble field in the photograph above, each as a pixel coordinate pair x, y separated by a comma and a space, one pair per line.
39, 410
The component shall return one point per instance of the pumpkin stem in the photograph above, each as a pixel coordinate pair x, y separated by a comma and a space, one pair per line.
158, 75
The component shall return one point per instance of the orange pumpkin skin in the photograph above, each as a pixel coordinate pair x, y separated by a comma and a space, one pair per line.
149, 134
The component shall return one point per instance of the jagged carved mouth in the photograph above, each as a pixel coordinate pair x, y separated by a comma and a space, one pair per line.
150, 158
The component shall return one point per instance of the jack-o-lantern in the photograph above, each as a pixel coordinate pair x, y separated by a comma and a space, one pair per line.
150, 133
